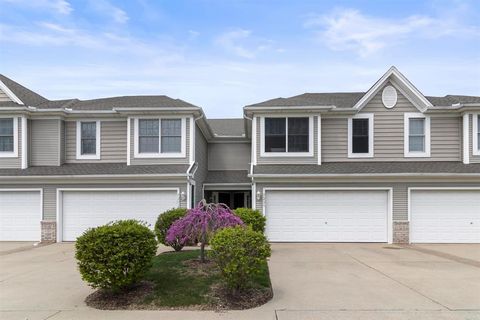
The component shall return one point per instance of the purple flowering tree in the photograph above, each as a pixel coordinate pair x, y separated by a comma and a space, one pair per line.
200, 223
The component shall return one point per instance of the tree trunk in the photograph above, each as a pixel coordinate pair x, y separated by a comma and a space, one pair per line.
202, 252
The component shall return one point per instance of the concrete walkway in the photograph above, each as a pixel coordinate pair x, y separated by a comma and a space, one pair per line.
310, 281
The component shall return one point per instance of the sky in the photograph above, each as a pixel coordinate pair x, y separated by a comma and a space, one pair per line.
224, 54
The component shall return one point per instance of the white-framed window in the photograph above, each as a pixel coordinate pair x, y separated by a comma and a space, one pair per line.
476, 134
160, 137
8, 137
88, 139
286, 136
416, 135
360, 136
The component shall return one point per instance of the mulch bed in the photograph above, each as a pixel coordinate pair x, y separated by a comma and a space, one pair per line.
219, 297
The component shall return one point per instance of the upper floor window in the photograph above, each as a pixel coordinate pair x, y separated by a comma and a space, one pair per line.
287, 136
360, 136
88, 139
417, 135
476, 135
8, 137
160, 137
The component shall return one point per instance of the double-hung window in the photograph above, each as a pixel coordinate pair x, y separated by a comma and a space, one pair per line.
417, 135
8, 137
159, 137
88, 140
360, 136
476, 135
287, 136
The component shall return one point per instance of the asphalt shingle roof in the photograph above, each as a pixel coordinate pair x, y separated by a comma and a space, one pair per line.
349, 99
370, 168
95, 169
227, 127
228, 176
27, 96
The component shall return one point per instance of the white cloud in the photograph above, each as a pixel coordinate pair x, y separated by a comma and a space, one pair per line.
106, 8
350, 30
230, 42
59, 6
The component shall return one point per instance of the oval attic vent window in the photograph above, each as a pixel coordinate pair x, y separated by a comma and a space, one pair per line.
389, 97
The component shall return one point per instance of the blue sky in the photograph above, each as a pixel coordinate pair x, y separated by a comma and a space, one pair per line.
222, 55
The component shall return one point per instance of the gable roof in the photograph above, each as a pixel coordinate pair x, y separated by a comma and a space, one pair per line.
227, 127
25, 95
337, 99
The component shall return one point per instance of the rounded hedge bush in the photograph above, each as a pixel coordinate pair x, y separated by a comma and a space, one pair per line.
252, 218
239, 253
164, 222
116, 255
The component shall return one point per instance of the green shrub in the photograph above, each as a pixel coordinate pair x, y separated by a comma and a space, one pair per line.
252, 218
240, 254
116, 255
164, 221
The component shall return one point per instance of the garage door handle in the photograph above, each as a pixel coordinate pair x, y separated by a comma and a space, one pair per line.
471, 222
326, 222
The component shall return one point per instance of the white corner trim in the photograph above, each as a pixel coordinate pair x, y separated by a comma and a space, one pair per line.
319, 139
9, 93
79, 155
24, 143
475, 131
129, 121
192, 140
466, 138
254, 141
14, 153
406, 131
371, 133
254, 197
287, 154
181, 154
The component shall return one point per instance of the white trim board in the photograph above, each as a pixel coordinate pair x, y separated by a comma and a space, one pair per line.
59, 206
388, 189
181, 154
14, 153
78, 139
9, 93
310, 152
371, 144
406, 136
466, 135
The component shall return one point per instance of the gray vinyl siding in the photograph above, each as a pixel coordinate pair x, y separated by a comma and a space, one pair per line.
473, 158
201, 158
286, 160
4, 97
62, 142
400, 191
45, 142
229, 156
14, 163
113, 142
140, 161
50, 192
445, 131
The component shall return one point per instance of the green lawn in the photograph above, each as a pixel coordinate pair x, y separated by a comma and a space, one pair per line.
178, 284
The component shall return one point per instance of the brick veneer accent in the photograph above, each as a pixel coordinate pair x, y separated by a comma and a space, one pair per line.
49, 230
400, 232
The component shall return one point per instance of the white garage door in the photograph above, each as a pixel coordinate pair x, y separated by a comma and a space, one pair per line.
20, 215
445, 216
330, 216
85, 209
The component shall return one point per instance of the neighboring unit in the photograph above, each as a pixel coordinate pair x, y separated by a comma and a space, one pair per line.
386, 165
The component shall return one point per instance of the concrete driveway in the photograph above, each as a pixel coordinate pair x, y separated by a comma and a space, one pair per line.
310, 281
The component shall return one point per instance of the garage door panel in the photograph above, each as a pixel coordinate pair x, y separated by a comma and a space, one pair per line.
20, 215
445, 216
320, 215
85, 209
